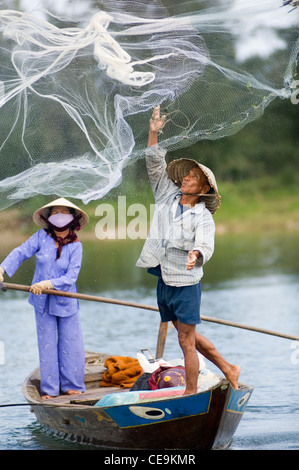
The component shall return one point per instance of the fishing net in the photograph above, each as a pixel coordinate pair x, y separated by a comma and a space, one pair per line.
79, 80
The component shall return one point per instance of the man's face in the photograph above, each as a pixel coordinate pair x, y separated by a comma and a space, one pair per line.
195, 182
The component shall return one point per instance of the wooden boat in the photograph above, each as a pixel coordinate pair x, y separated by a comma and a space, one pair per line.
160, 419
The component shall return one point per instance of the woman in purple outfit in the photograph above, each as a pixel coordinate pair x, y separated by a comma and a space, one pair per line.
58, 261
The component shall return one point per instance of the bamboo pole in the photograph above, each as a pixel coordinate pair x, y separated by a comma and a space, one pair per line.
161, 339
75, 295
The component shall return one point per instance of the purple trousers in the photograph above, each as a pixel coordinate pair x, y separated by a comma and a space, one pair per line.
61, 353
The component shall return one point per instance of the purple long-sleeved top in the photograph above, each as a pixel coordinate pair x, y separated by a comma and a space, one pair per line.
63, 272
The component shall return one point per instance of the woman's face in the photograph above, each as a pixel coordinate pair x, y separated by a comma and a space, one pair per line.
60, 210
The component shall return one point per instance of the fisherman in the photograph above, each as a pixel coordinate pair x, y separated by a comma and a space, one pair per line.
180, 242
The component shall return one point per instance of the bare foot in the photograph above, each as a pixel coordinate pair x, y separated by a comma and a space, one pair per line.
46, 397
233, 375
72, 392
188, 393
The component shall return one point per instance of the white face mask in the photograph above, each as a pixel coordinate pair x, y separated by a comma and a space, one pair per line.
60, 220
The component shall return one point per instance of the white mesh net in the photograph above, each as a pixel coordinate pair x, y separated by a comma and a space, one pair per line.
79, 80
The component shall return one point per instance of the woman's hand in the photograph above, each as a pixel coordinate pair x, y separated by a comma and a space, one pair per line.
1, 274
39, 287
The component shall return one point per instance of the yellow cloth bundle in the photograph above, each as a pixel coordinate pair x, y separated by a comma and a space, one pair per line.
122, 371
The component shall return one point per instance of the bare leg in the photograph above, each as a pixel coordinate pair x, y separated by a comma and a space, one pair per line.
208, 350
190, 341
186, 336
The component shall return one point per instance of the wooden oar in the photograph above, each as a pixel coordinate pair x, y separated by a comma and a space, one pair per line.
163, 329
161, 339
75, 295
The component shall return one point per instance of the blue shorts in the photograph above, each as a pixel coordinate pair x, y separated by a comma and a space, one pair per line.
179, 303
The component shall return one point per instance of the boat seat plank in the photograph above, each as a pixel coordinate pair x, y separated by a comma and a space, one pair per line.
93, 373
92, 395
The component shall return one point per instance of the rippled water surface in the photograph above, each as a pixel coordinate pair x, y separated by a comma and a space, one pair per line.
253, 280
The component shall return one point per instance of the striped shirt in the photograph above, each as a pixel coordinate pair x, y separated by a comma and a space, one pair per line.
173, 233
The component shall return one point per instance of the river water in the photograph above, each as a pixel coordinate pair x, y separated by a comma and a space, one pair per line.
252, 280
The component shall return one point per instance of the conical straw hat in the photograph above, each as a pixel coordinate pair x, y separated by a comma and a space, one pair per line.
43, 211
178, 169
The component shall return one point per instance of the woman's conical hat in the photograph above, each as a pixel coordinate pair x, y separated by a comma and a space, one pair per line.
43, 211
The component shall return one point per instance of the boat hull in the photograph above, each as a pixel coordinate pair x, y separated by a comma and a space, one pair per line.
197, 422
